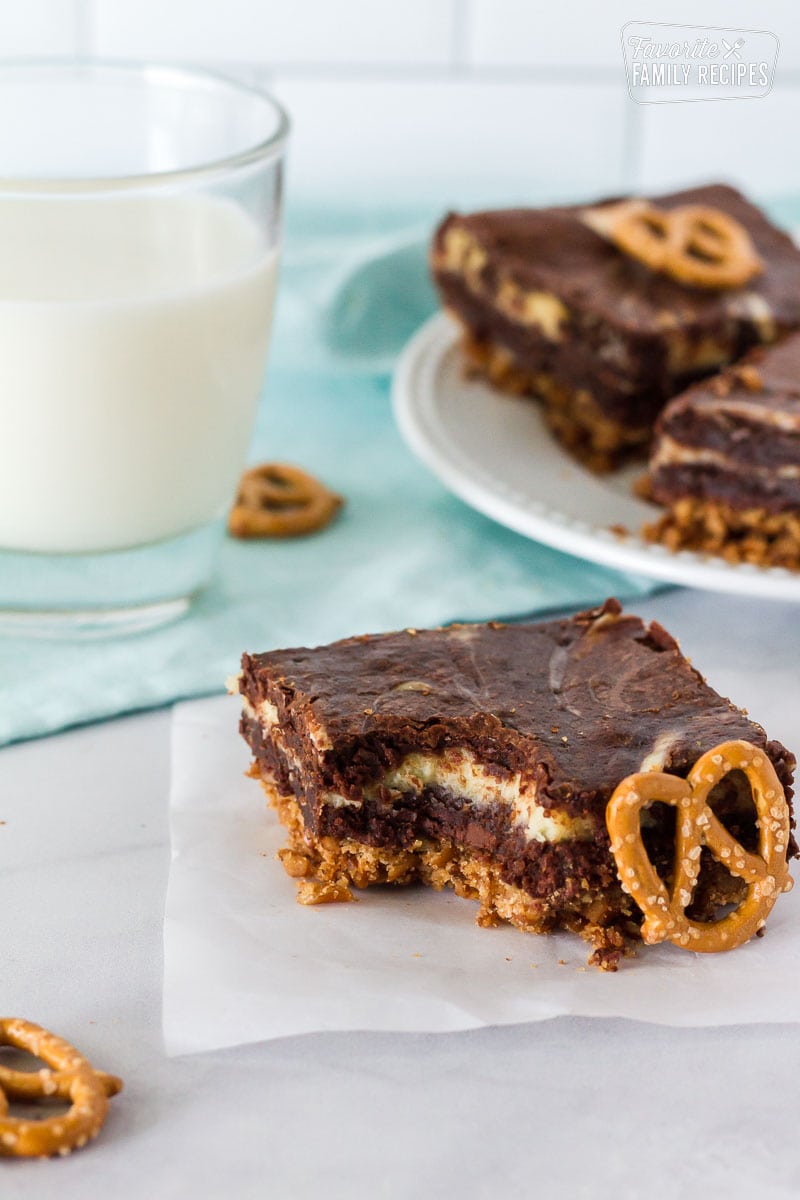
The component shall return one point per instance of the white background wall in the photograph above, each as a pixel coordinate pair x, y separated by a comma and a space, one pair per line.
456, 97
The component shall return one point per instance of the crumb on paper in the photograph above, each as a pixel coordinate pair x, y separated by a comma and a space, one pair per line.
620, 531
331, 891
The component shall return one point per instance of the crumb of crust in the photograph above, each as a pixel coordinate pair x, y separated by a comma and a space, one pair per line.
620, 531
605, 958
609, 947
334, 891
750, 377
294, 863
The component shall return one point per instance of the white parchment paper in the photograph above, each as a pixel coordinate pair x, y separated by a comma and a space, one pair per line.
244, 962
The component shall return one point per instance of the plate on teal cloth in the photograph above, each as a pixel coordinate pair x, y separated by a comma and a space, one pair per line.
404, 552
499, 456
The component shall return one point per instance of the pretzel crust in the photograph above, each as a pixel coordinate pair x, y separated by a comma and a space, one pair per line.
693, 244
277, 500
765, 873
72, 1078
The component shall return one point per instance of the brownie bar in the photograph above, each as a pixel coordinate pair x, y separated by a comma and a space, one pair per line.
726, 462
482, 757
553, 309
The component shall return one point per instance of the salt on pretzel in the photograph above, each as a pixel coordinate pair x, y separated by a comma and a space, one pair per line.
276, 500
72, 1078
693, 244
765, 873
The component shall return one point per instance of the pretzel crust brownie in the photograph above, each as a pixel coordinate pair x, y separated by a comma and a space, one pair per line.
600, 319
482, 758
725, 463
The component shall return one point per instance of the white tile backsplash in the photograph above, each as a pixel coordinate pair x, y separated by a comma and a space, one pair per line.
39, 28
735, 140
572, 35
464, 97
453, 139
778, 16
416, 32
553, 36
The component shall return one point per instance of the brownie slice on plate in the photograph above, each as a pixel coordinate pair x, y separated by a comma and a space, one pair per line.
552, 306
725, 462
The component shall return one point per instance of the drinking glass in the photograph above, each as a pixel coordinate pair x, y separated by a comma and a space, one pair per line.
140, 221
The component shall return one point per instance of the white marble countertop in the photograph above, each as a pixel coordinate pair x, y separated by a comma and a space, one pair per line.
566, 1108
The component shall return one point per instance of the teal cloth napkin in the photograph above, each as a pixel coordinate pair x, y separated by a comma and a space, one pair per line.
403, 553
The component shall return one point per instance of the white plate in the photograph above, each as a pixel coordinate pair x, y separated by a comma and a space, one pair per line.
496, 453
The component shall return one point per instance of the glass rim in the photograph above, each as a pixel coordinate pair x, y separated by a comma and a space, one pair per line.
149, 72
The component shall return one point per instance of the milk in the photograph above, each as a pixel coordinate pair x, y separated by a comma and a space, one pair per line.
133, 337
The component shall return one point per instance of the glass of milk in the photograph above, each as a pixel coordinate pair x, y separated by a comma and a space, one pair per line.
140, 219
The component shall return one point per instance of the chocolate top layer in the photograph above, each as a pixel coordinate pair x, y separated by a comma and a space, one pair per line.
552, 250
577, 703
749, 414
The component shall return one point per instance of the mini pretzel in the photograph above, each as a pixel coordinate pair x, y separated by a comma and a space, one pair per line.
74, 1078
766, 873
276, 500
693, 244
